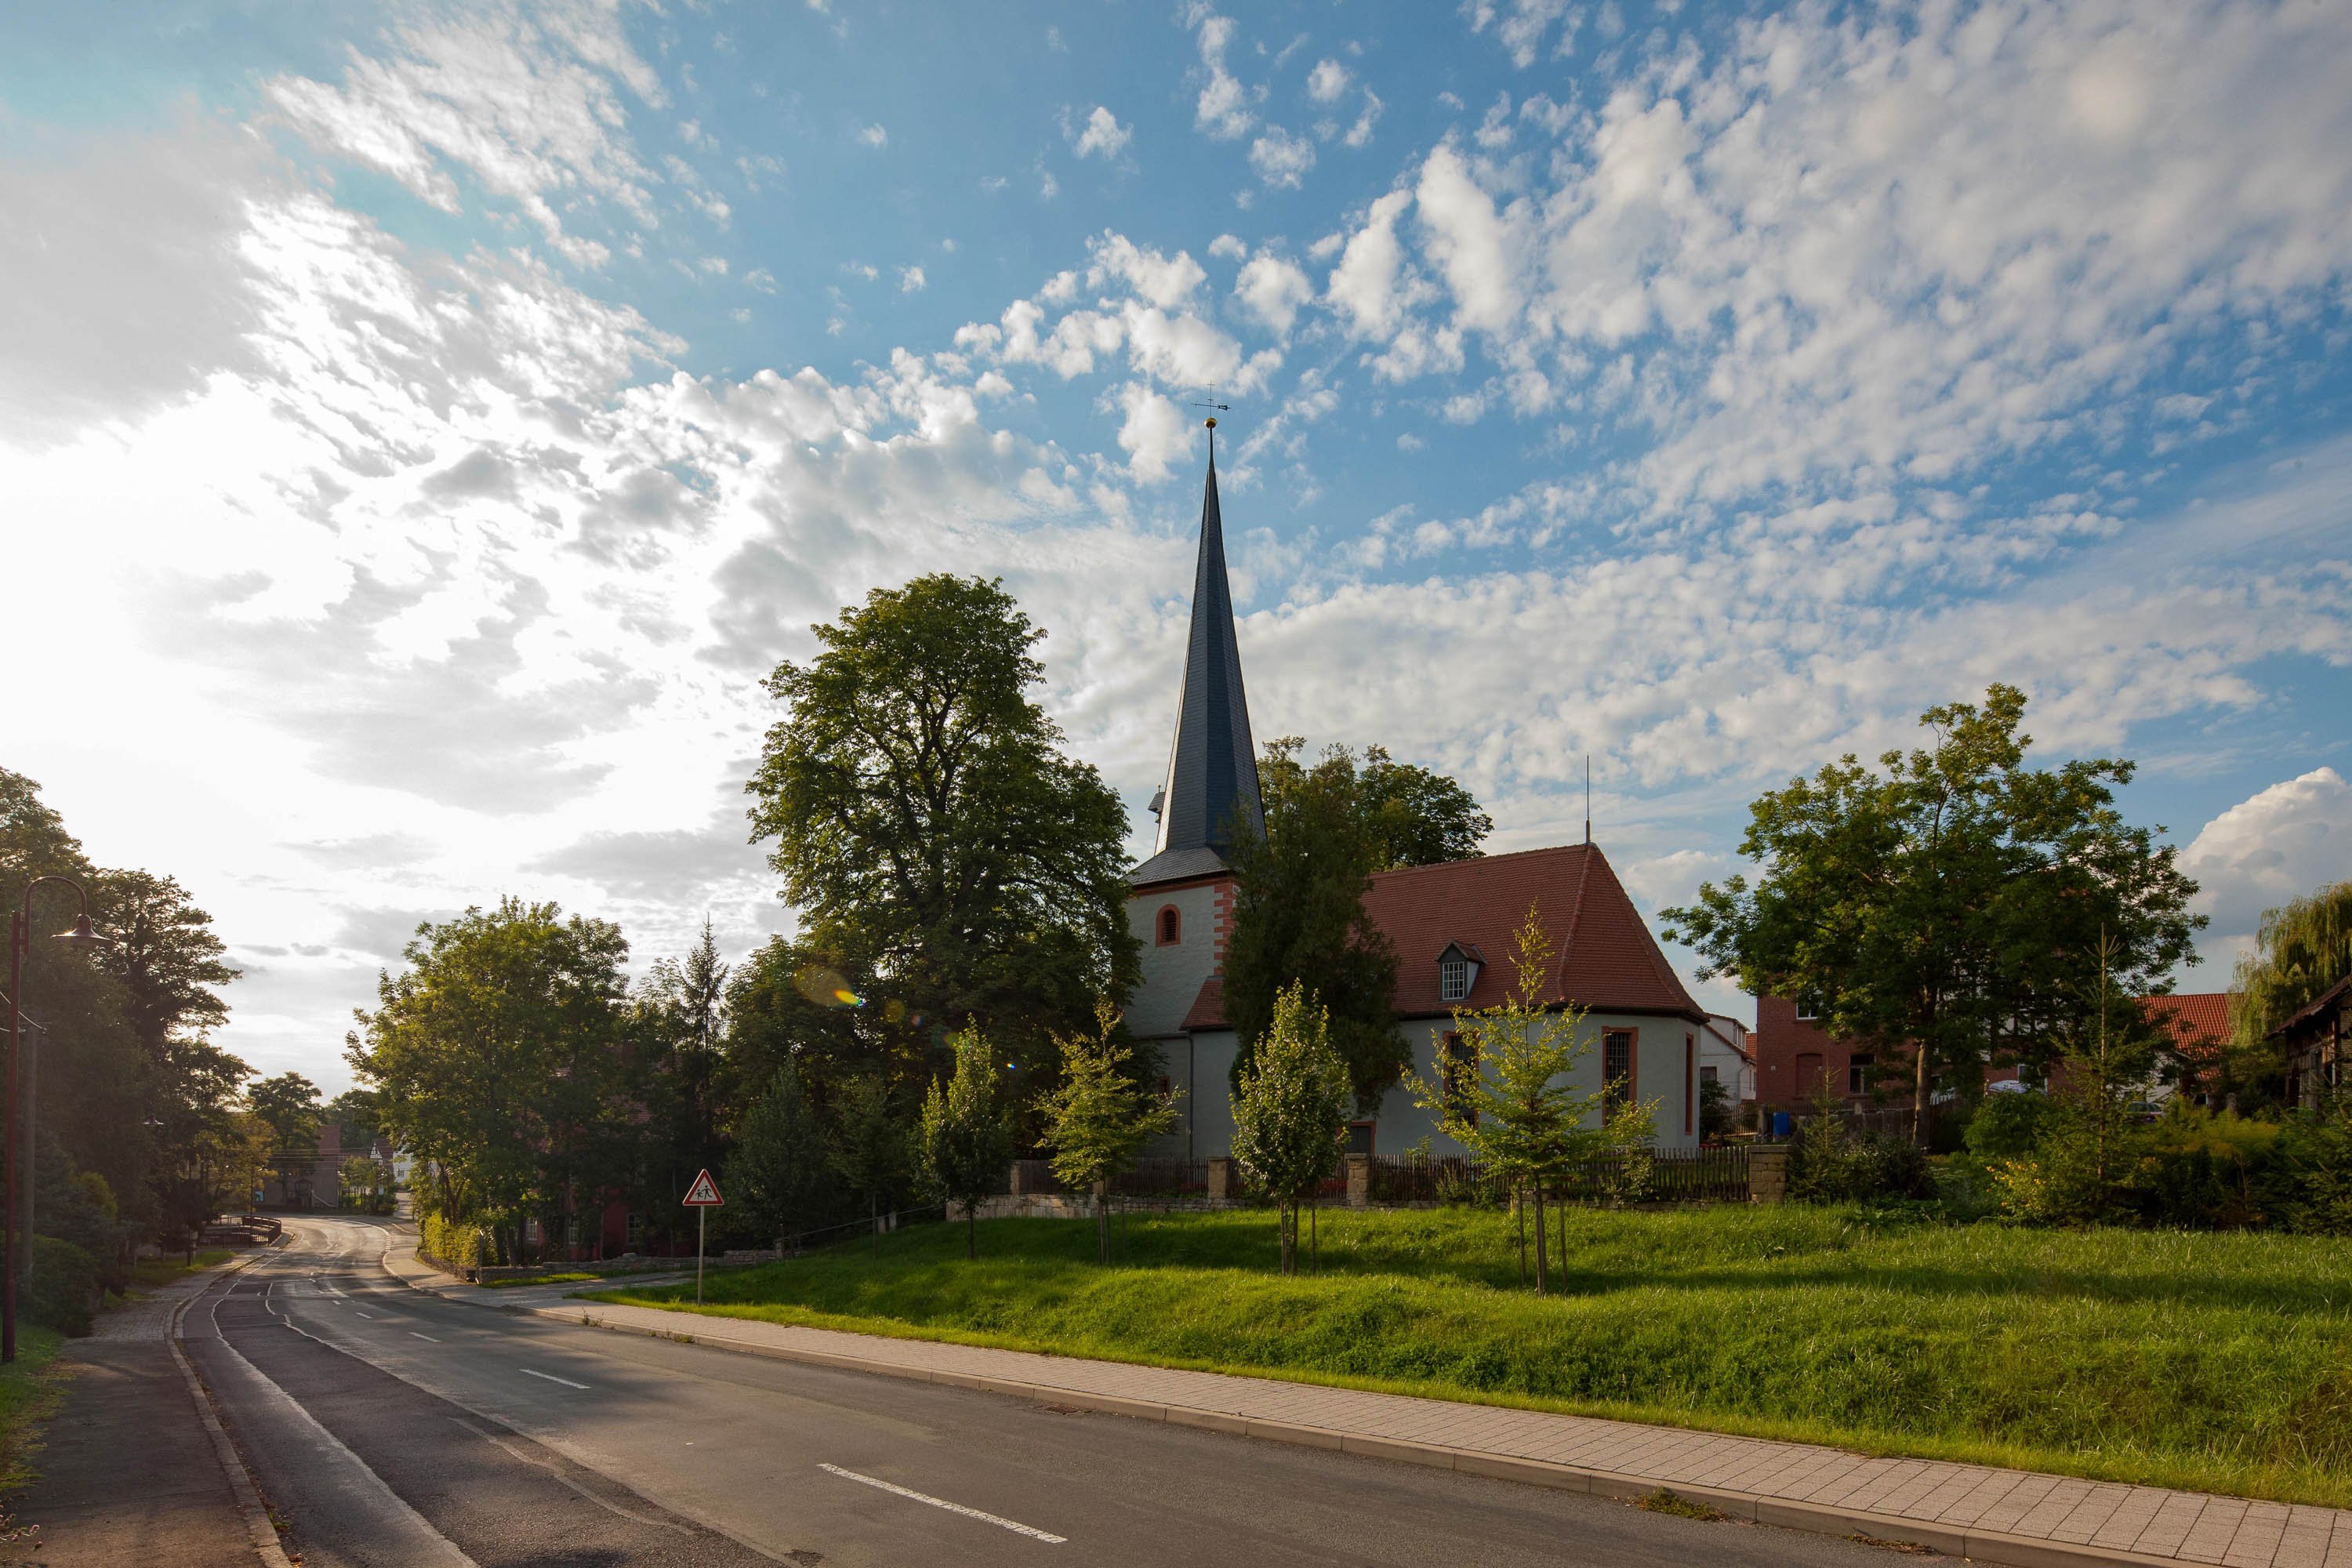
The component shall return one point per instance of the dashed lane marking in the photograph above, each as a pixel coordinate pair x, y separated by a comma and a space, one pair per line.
551, 1377
1015, 1526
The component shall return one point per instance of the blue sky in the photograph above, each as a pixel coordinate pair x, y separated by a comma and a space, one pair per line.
444, 414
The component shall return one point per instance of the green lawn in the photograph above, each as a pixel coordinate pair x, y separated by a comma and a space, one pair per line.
2218, 1362
148, 1273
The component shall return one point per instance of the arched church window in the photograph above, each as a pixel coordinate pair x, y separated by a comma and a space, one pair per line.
1171, 926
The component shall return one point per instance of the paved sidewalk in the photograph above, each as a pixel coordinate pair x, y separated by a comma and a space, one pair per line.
2017, 1517
129, 1468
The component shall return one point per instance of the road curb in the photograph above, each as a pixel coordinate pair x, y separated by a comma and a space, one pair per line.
258, 1526
1982, 1546
1977, 1545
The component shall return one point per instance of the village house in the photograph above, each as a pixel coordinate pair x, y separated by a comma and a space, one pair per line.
1797, 1057
1452, 925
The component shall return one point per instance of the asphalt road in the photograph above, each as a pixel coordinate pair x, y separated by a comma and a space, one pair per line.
389, 1427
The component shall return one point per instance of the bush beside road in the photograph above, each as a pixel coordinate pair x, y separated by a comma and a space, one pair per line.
2207, 1362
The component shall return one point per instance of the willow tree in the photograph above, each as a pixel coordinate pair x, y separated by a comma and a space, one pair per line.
2302, 948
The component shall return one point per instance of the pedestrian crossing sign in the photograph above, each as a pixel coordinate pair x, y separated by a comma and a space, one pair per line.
704, 1194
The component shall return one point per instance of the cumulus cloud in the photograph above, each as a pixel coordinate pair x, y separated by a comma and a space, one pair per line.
912, 279
2089, 192
1223, 108
2288, 840
1154, 432
1327, 82
875, 136
1282, 160
1273, 288
1102, 136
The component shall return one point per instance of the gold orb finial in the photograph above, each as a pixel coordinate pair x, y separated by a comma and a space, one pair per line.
1213, 421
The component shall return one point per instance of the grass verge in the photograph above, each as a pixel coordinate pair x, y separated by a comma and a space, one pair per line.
152, 1273
2214, 1362
30, 1388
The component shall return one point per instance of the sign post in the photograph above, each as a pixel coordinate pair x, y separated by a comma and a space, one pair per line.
701, 1197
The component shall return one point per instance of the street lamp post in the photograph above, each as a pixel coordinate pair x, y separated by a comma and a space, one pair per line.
20, 942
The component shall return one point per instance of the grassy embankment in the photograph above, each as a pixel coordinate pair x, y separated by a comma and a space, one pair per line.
2215, 1362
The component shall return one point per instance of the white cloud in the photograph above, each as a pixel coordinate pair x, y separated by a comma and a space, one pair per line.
875, 136
1327, 82
1163, 280
1223, 108
1480, 255
528, 101
1103, 136
1361, 133
2288, 840
1369, 286
1281, 159
1228, 248
1154, 434
1953, 277
1520, 24
1272, 288
910, 279
762, 279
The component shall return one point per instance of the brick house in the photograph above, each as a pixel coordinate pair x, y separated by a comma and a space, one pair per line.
1796, 1056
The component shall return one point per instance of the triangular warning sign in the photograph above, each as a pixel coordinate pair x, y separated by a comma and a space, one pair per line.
704, 1194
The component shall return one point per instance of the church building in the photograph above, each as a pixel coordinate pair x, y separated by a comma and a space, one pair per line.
1453, 926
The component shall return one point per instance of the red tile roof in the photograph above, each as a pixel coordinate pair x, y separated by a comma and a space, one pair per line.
2199, 1020
1603, 957
1208, 1009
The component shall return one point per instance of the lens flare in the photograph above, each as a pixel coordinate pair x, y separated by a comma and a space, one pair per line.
825, 986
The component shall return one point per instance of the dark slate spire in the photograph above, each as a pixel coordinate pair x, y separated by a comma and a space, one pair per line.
1210, 795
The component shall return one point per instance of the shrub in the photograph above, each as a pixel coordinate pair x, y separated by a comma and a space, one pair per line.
453, 1242
2209, 1170
64, 1287
2005, 1126
2315, 1161
1831, 1164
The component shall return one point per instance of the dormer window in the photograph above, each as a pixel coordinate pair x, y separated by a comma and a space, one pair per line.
1457, 972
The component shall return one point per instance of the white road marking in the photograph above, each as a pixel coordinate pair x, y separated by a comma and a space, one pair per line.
428, 1339
551, 1377
363, 1314
409, 1535
1013, 1525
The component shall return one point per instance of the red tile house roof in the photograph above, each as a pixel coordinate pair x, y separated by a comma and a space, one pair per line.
1603, 957
2198, 1021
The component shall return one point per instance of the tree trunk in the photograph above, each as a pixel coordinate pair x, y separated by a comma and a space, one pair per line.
1519, 1210
1543, 1269
1315, 1236
1563, 1206
1919, 1081
970, 1230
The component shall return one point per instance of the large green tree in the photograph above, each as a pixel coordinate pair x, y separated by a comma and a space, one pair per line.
949, 862
1299, 919
1947, 906
1407, 815
130, 1081
678, 1037
497, 1057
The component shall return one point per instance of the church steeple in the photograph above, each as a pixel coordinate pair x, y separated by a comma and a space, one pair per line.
1210, 795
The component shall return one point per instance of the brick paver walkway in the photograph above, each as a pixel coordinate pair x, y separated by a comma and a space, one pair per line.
2017, 1517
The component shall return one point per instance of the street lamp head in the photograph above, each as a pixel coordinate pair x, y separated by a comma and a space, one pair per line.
83, 936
